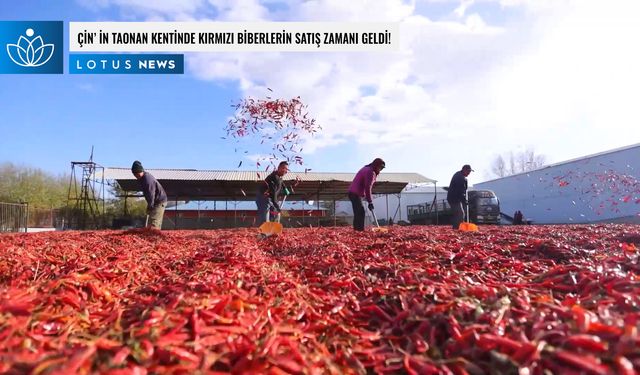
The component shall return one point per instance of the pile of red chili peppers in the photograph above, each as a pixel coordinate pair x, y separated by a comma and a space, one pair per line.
413, 300
275, 129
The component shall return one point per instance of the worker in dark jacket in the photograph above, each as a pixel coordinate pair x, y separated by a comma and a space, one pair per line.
457, 195
267, 194
361, 187
154, 194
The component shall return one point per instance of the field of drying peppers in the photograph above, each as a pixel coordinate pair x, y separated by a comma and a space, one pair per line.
414, 300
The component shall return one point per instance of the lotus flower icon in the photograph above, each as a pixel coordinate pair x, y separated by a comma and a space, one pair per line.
29, 51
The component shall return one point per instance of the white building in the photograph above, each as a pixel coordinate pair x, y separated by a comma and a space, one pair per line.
603, 187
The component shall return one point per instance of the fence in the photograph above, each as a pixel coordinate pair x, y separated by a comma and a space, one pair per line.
14, 217
45, 218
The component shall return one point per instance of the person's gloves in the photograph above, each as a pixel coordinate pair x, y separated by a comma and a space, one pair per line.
370, 206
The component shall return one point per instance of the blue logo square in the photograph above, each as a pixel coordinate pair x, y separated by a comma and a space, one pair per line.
31, 47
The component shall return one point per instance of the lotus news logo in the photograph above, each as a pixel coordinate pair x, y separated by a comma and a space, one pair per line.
31, 47
30, 52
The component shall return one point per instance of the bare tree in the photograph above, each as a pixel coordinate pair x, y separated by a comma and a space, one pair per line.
534, 161
523, 161
512, 164
499, 168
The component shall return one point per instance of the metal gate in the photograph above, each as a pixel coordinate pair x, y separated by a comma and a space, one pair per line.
14, 217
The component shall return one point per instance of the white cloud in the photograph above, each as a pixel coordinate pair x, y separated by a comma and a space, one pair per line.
581, 79
240, 10
462, 8
352, 11
87, 87
403, 100
169, 7
560, 77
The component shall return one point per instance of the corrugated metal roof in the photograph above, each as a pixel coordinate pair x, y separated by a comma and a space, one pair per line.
428, 189
213, 175
190, 184
197, 205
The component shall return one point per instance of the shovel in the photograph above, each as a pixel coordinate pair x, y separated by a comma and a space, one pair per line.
377, 228
271, 228
146, 221
467, 226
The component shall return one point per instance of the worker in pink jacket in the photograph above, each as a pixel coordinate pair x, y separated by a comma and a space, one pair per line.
361, 187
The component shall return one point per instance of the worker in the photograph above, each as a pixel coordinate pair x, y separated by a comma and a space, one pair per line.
154, 194
457, 195
517, 218
361, 187
267, 194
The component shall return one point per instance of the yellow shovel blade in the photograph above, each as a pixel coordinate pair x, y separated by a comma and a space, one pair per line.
379, 229
468, 227
270, 228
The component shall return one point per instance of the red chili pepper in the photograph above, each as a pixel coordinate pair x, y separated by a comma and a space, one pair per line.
172, 338
468, 336
147, 347
135, 370
583, 318
289, 365
121, 356
77, 361
453, 303
582, 362
184, 354
525, 353
458, 369
374, 309
488, 342
45, 365
17, 307
195, 325
624, 366
71, 299
408, 367
107, 344
401, 316
272, 371
599, 328
414, 366
454, 327
586, 342
221, 305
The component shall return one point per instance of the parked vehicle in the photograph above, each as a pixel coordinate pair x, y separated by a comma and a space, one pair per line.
484, 208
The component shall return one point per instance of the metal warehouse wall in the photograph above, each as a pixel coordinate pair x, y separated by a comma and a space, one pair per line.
597, 188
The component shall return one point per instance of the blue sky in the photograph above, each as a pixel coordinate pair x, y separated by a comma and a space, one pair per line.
473, 79
168, 121
171, 121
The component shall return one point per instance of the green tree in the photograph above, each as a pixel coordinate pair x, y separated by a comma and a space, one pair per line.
35, 186
136, 207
